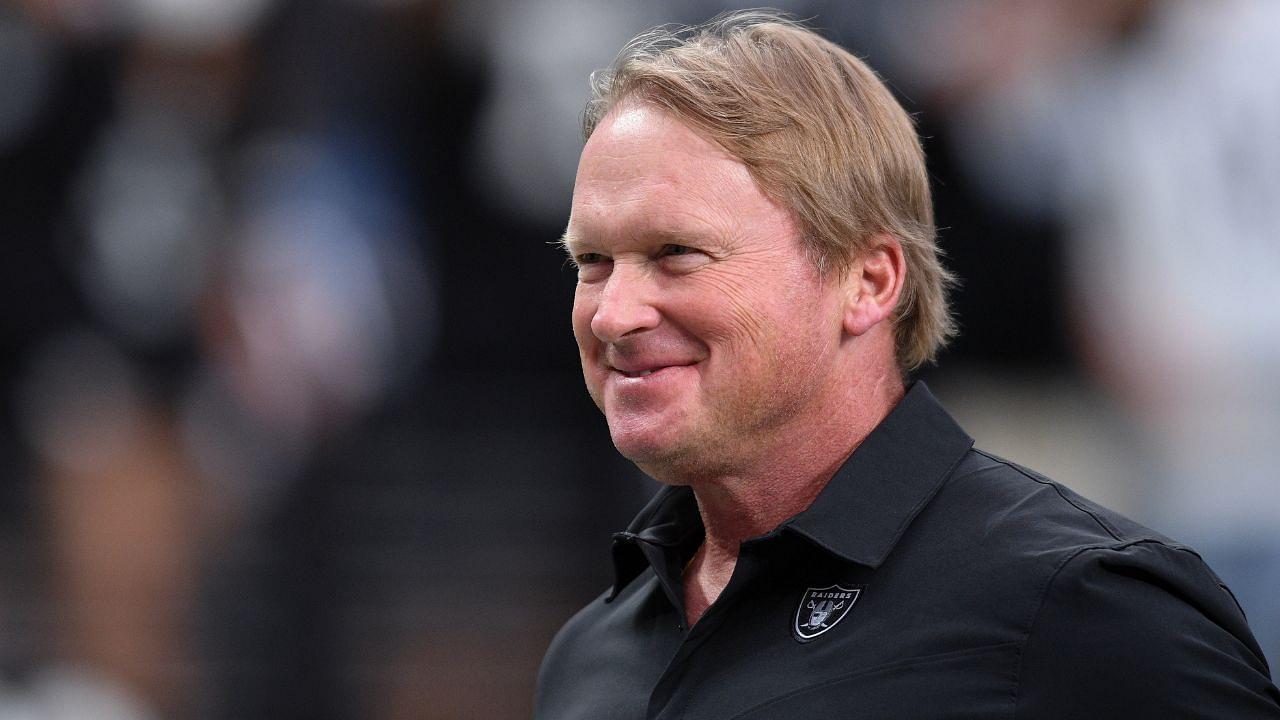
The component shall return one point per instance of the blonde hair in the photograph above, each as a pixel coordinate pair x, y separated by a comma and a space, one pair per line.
819, 132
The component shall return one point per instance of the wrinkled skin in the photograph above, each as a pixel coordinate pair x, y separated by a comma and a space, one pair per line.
688, 270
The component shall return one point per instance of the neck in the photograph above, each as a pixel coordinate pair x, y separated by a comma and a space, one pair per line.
787, 475
787, 469
780, 481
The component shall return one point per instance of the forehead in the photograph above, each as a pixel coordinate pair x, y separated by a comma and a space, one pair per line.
643, 169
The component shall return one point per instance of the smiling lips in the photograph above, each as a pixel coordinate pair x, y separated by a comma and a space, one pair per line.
645, 373
642, 373
645, 370
631, 362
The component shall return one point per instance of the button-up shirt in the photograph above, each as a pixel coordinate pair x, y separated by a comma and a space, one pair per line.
928, 579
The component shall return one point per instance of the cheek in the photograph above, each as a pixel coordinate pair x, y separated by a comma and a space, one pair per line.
584, 309
777, 338
751, 313
731, 308
589, 349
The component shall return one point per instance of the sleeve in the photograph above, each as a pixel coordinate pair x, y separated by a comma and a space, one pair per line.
1145, 630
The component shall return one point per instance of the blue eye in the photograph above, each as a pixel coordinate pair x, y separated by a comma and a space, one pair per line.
588, 258
676, 250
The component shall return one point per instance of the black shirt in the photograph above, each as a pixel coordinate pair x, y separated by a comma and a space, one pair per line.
927, 580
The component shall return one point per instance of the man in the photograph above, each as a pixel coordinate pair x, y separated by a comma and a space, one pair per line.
757, 273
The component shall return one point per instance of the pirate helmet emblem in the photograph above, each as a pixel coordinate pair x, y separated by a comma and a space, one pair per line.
821, 608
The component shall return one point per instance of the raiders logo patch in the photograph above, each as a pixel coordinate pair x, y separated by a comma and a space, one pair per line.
821, 608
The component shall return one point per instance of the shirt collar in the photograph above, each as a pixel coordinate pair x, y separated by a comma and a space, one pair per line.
670, 521
886, 482
858, 516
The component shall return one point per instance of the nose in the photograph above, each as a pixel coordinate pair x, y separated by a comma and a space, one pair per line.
625, 304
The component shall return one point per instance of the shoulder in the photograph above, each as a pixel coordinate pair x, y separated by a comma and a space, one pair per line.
1028, 504
1119, 620
572, 639
1141, 629
610, 641
1016, 530
563, 661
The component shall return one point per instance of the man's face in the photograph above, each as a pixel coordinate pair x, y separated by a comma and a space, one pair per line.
703, 327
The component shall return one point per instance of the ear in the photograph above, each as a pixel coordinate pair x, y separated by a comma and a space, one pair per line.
874, 284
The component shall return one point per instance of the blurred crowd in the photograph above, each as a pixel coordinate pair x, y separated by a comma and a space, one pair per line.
291, 423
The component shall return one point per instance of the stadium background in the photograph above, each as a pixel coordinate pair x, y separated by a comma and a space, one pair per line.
291, 424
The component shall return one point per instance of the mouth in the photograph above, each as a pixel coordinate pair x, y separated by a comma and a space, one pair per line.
642, 373
647, 372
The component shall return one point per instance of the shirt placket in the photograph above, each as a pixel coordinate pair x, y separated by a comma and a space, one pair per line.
669, 697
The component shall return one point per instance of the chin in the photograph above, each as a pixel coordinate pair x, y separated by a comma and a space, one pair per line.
667, 457
640, 447
645, 445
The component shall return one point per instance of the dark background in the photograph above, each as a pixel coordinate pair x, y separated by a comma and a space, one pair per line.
291, 422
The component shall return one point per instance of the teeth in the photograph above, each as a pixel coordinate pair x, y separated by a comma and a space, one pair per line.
642, 373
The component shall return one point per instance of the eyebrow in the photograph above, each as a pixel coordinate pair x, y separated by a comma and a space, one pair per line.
675, 236
680, 236
566, 238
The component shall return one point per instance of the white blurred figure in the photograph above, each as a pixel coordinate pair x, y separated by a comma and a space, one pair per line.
148, 204
1177, 255
1152, 131
529, 136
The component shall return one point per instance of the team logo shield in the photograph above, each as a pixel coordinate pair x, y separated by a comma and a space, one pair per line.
821, 608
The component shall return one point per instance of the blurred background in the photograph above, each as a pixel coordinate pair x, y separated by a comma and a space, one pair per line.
291, 423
